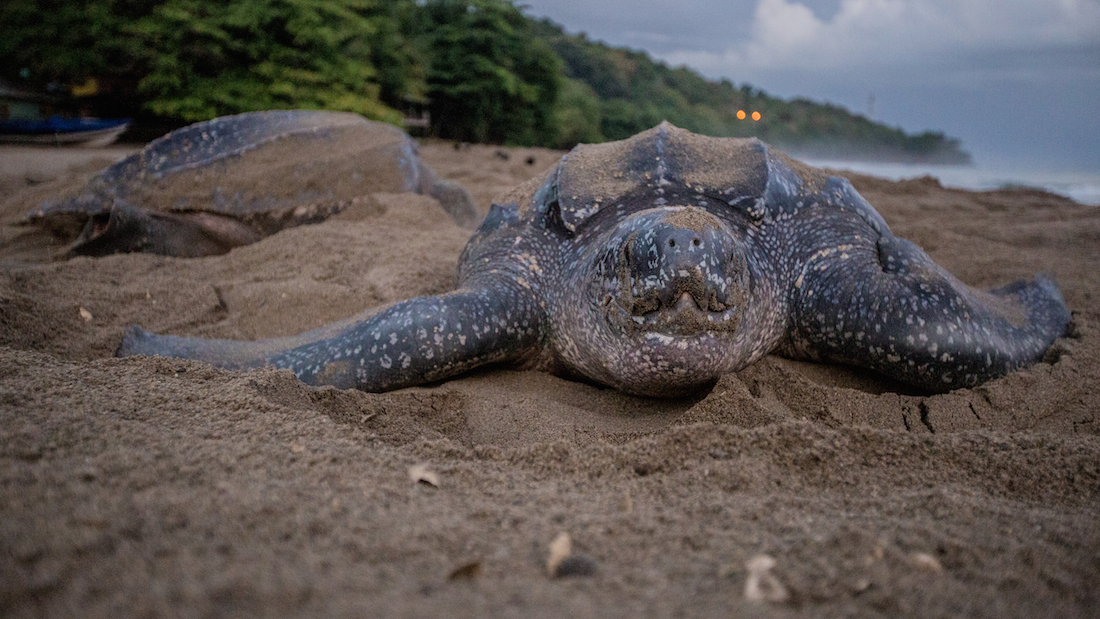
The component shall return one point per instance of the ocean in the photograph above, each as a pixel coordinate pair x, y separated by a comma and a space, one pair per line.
1083, 187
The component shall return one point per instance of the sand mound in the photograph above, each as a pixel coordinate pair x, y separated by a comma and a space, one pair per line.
157, 486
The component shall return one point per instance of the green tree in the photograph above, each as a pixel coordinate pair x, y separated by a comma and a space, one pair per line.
195, 59
490, 79
67, 42
578, 115
211, 58
398, 53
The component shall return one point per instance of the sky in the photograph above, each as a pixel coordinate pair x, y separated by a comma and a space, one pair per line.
1018, 81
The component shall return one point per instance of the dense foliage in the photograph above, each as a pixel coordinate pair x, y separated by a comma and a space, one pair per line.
209, 58
485, 71
196, 59
489, 79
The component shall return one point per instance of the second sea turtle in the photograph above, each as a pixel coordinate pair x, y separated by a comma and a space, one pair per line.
230, 181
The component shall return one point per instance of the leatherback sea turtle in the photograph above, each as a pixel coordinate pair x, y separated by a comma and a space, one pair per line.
215, 185
658, 263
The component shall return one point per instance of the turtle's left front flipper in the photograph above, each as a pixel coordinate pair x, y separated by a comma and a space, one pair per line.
886, 306
409, 343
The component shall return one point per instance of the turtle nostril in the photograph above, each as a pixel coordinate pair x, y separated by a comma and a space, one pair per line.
695, 242
672, 242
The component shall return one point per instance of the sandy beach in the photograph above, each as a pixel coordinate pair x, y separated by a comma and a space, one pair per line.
161, 487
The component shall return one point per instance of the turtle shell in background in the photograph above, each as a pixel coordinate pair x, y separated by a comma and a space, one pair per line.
209, 187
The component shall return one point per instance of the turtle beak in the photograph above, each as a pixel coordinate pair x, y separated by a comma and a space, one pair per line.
675, 275
685, 254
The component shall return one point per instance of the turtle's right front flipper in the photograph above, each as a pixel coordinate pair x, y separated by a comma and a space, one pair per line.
409, 343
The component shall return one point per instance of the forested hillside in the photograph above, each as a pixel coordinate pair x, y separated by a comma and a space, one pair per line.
611, 93
483, 70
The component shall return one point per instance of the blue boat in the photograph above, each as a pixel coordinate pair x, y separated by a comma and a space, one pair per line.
58, 130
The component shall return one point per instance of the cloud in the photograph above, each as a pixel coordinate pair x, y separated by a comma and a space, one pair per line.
787, 34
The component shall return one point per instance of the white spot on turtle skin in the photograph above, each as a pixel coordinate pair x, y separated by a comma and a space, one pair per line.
385, 362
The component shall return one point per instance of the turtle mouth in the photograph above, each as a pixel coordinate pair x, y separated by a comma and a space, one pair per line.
685, 314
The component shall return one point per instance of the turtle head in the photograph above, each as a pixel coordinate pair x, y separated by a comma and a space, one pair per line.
663, 302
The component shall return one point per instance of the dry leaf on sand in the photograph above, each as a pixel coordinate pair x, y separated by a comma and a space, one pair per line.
762, 585
420, 473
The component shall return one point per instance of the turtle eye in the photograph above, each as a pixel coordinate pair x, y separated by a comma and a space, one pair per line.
546, 200
555, 221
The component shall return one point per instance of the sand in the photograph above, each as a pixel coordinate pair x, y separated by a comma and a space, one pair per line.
151, 487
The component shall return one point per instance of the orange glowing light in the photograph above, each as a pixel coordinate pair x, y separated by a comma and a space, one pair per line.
756, 115
740, 114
